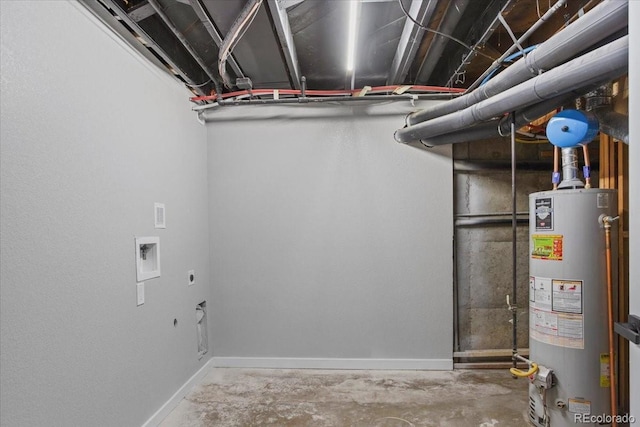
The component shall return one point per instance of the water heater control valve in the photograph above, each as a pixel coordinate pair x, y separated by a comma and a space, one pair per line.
543, 378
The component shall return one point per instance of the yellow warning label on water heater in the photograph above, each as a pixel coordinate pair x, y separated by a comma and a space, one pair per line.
605, 370
547, 246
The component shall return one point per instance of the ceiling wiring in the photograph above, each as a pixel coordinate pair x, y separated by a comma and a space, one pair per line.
431, 30
198, 85
238, 29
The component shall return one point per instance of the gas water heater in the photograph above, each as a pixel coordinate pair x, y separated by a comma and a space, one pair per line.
568, 330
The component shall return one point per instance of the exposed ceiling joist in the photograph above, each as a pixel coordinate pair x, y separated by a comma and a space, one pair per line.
488, 31
206, 21
281, 23
421, 11
111, 20
178, 34
452, 17
284, 4
291, 38
143, 11
149, 43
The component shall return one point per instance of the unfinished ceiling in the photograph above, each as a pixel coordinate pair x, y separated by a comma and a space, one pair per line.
454, 44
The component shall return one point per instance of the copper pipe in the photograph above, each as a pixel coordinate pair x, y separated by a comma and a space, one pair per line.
556, 164
587, 164
607, 220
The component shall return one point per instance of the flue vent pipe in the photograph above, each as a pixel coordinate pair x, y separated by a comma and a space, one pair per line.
612, 123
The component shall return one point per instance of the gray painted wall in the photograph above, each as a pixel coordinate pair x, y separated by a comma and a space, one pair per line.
482, 184
91, 138
328, 240
634, 199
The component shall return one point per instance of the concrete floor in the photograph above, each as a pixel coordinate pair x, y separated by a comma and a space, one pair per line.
266, 397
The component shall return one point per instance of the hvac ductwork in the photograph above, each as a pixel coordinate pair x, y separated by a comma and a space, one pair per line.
604, 20
612, 123
605, 63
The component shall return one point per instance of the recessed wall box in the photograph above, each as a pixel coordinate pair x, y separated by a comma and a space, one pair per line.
147, 258
160, 220
201, 327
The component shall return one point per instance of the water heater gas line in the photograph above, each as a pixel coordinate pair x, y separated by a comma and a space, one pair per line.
533, 367
514, 235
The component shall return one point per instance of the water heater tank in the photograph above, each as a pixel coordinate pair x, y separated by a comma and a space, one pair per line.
568, 304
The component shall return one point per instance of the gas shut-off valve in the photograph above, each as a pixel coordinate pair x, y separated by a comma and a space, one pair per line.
539, 376
541, 380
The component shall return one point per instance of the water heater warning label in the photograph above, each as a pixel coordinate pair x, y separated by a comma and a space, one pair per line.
555, 307
547, 246
544, 213
567, 296
562, 330
579, 406
605, 370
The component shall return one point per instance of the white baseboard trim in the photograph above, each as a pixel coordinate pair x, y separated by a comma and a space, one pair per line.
174, 400
333, 363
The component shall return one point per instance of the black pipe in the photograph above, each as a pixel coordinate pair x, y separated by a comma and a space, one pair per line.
476, 222
218, 88
514, 236
492, 214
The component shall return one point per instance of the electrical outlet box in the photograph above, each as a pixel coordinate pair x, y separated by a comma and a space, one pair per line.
140, 293
159, 215
191, 277
147, 258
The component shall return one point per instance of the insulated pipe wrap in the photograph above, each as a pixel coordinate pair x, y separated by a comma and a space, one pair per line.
500, 127
609, 61
599, 23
